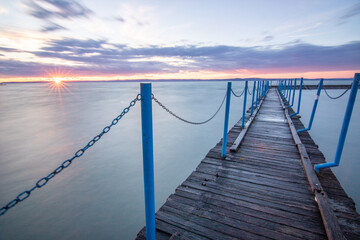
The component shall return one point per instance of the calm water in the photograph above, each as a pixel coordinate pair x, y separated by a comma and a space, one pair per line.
101, 195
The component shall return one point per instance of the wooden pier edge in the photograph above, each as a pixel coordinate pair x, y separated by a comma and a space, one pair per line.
328, 216
267, 189
235, 146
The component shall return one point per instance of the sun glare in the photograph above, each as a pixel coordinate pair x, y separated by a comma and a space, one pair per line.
57, 80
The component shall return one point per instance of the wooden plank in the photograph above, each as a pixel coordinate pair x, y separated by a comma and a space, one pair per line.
235, 146
328, 216
264, 190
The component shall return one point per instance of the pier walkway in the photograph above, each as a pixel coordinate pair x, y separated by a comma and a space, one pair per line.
264, 190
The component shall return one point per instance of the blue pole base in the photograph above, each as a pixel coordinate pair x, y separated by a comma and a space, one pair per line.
289, 106
324, 165
293, 114
303, 130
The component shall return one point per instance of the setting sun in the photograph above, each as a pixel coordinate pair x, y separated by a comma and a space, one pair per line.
57, 80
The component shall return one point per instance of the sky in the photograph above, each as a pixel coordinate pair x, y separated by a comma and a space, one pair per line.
197, 39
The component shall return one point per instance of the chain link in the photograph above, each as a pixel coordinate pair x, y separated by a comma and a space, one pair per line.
236, 94
337, 97
43, 181
184, 120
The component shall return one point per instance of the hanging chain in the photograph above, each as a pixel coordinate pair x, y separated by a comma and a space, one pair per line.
337, 97
184, 120
249, 91
239, 94
43, 181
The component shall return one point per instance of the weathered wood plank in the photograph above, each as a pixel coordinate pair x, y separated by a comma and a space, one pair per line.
261, 190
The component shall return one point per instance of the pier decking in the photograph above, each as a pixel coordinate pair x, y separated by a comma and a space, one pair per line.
261, 191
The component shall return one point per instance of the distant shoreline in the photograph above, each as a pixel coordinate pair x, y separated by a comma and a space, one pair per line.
183, 80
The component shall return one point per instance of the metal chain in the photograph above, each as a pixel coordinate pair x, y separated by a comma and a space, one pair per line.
342, 94
43, 181
240, 93
184, 120
249, 91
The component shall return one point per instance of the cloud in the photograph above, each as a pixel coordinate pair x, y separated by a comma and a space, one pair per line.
3, 11
267, 38
99, 57
52, 27
350, 12
52, 9
120, 19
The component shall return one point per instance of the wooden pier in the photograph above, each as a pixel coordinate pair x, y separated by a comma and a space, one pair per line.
264, 190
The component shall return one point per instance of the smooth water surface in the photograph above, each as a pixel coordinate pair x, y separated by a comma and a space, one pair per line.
100, 196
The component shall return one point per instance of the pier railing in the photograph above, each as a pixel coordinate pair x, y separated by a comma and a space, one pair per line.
284, 88
146, 97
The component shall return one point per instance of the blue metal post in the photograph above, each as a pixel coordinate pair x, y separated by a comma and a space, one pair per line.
289, 92
226, 122
293, 96
252, 99
244, 107
284, 90
257, 94
299, 102
314, 108
148, 158
345, 126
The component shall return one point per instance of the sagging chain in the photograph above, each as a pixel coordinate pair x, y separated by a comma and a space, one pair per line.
184, 120
337, 97
43, 181
239, 94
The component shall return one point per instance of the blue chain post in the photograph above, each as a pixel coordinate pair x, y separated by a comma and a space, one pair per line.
287, 90
299, 101
257, 94
226, 122
148, 158
345, 126
314, 107
293, 96
244, 106
252, 99
289, 93
284, 89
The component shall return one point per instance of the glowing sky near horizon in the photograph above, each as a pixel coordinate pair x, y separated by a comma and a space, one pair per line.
94, 40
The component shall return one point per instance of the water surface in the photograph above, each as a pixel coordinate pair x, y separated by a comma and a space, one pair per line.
100, 196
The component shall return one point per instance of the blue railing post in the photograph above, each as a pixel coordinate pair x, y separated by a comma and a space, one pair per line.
314, 108
299, 102
148, 158
257, 93
244, 107
226, 122
293, 96
252, 99
289, 93
345, 126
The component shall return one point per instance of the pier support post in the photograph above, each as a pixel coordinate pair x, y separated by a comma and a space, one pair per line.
289, 93
244, 106
345, 126
299, 102
252, 99
226, 122
314, 107
148, 158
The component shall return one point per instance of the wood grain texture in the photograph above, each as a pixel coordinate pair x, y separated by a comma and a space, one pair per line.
260, 191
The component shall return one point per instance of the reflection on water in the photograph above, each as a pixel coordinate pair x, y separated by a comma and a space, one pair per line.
101, 195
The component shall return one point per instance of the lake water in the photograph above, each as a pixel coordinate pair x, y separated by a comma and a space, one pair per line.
100, 196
